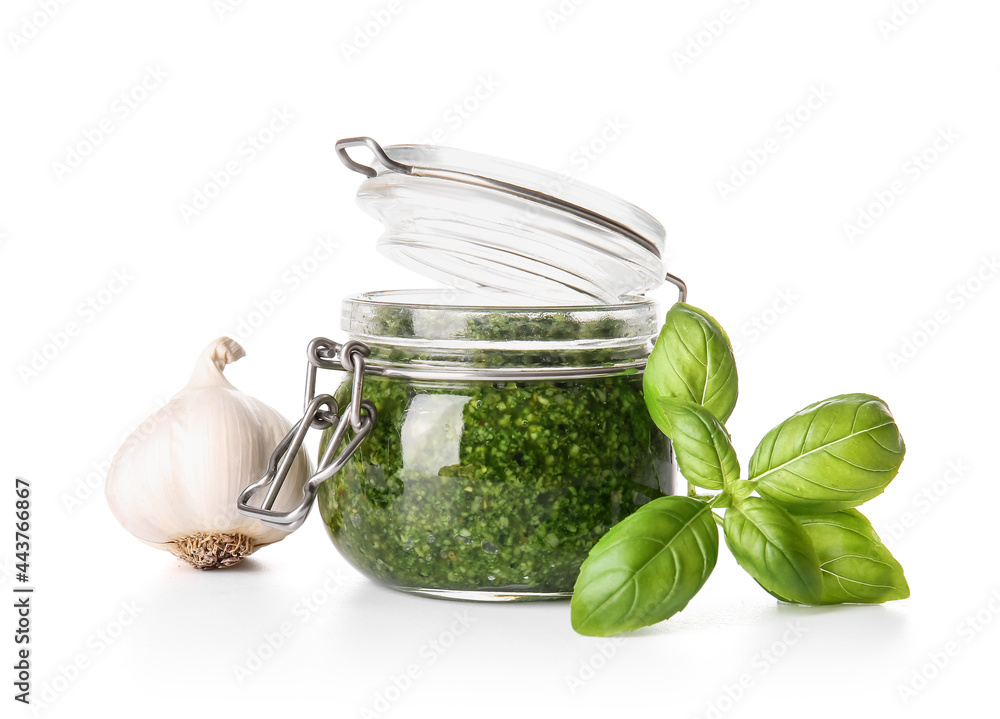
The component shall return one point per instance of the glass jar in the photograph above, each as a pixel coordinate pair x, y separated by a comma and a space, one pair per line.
493, 430
508, 441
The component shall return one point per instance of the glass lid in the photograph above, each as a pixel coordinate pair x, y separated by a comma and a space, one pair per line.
507, 232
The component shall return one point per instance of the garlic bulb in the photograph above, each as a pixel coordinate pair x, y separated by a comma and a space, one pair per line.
175, 484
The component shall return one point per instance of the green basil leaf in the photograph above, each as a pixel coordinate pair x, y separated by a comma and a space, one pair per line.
832, 455
705, 454
857, 568
692, 361
646, 568
774, 549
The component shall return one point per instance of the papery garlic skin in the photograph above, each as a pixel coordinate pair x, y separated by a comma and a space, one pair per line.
174, 484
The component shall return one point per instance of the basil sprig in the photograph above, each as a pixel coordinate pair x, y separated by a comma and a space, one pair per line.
791, 524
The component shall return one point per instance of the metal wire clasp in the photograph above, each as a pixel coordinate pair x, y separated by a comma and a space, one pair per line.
320, 412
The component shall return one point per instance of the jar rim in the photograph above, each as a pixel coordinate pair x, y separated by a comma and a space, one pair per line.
469, 301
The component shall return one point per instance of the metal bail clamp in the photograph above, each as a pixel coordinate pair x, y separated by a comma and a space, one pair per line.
320, 412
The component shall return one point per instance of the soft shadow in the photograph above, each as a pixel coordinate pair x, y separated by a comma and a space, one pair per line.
855, 623
245, 566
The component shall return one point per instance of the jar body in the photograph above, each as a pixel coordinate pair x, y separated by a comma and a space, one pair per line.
507, 443
493, 488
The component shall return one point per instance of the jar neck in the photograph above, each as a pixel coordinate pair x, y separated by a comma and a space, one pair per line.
406, 331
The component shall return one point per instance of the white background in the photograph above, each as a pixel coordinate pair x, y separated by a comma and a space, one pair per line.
816, 309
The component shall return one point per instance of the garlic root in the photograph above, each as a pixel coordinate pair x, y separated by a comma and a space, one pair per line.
213, 550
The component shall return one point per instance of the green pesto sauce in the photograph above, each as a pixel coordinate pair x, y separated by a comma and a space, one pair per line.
491, 485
